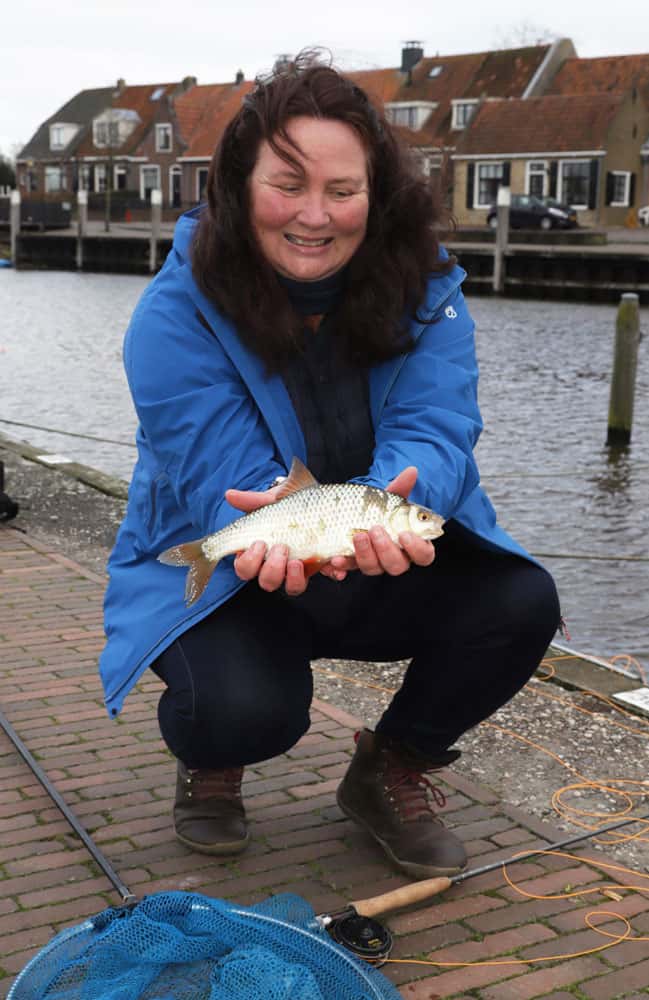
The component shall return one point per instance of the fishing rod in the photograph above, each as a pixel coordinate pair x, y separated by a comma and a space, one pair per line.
354, 926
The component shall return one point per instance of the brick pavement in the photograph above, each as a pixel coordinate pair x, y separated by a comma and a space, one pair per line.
119, 780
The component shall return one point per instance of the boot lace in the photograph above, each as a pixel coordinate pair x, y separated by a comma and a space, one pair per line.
411, 790
207, 784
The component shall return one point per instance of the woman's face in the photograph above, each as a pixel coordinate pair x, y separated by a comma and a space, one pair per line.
310, 221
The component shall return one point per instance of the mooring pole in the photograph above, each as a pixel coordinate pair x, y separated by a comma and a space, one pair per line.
502, 236
156, 216
82, 219
627, 337
14, 224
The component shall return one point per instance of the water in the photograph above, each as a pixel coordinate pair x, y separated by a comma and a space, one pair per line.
545, 372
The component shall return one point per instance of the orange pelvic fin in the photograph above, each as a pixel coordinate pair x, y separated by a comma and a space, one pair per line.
312, 566
200, 567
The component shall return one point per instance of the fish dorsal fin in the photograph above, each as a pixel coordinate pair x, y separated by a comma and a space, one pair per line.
299, 478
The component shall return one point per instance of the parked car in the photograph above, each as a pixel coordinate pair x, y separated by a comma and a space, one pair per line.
643, 215
526, 211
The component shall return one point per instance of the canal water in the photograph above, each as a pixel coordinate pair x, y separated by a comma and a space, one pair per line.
545, 376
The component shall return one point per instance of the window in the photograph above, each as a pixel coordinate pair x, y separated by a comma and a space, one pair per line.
85, 177
201, 183
157, 94
489, 177
54, 179
434, 71
107, 133
57, 137
119, 177
462, 112
163, 138
620, 188
575, 182
149, 181
100, 178
537, 172
410, 115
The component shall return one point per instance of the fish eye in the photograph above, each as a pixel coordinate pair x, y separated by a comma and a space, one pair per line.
423, 515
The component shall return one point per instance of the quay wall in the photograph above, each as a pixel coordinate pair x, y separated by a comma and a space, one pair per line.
577, 266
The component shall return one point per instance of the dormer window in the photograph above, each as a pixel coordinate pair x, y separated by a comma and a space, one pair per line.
61, 133
113, 126
163, 138
410, 114
462, 113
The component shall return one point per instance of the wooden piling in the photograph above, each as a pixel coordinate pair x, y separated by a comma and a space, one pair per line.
156, 219
82, 219
502, 237
14, 224
627, 337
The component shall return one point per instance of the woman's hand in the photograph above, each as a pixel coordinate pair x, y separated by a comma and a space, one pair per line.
277, 570
374, 550
376, 553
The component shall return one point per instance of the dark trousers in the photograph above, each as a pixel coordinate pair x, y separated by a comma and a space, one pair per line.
475, 626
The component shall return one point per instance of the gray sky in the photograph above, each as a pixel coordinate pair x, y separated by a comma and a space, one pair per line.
51, 49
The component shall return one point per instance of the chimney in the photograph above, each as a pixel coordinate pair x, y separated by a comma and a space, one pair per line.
121, 86
239, 78
411, 53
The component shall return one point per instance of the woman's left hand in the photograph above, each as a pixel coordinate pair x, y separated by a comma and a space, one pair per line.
376, 553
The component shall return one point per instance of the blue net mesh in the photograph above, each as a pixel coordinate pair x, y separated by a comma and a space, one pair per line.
186, 946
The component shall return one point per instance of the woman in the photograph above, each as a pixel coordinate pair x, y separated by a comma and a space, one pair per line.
308, 311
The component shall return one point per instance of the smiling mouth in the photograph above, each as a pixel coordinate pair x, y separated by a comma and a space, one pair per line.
303, 241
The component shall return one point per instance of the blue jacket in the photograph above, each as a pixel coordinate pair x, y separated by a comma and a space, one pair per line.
210, 419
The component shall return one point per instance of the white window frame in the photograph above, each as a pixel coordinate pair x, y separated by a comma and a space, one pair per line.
52, 171
626, 174
57, 136
542, 168
199, 170
560, 194
85, 173
420, 111
173, 171
143, 169
119, 170
476, 181
163, 128
101, 178
455, 106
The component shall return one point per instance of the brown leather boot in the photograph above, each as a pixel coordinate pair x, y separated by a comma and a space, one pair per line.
386, 792
208, 812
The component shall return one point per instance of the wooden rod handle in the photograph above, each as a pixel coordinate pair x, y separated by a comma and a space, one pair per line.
405, 896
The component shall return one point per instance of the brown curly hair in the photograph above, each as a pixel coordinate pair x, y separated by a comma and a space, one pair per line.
387, 276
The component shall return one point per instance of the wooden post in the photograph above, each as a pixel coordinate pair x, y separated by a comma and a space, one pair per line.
156, 217
502, 236
14, 224
82, 219
627, 337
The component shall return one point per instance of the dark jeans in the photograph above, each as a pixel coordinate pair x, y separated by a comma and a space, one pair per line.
475, 625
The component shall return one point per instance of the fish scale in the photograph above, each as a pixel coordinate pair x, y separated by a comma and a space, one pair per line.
316, 521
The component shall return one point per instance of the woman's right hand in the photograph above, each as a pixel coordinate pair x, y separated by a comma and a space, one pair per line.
277, 570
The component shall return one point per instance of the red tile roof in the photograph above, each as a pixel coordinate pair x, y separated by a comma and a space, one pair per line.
540, 125
210, 111
607, 75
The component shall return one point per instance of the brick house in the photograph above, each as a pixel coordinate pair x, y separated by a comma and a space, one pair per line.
123, 137
584, 142
46, 166
575, 149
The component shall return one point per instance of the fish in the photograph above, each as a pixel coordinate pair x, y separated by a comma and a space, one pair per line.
316, 521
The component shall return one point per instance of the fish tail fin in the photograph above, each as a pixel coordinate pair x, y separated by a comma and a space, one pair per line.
200, 567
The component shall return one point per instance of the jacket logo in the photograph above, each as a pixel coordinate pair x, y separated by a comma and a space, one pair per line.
450, 312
